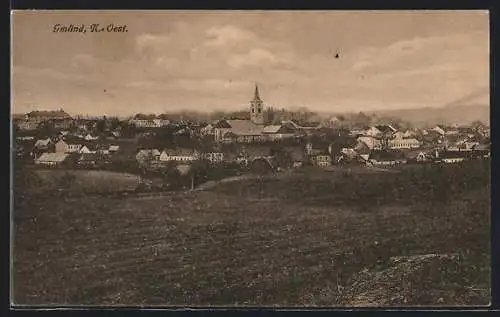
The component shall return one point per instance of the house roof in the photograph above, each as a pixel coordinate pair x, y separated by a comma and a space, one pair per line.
178, 152
453, 154
148, 152
482, 147
468, 130
45, 142
385, 128
70, 139
455, 138
369, 141
316, 152
90, 146
114, 147
52, 157
88, 157
411, 154
386, 155
60, 114
141, 116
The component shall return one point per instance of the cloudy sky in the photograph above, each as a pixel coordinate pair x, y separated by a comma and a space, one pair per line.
210, 60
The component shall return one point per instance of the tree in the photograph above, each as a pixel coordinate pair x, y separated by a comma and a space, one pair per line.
114, 123
100, 126
282, 158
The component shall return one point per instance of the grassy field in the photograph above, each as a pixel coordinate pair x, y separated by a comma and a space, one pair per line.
291, 241
89, 180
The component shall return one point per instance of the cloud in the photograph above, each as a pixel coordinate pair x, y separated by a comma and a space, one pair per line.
150, 40
152, 45
255, 57
83, 61
227, 35
40, 74
166, 62
445, 53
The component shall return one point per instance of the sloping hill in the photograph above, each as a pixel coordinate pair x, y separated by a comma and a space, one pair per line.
245, 247
461, 114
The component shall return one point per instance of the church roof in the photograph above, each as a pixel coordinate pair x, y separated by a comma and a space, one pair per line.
256, 96
271, 129
242, 127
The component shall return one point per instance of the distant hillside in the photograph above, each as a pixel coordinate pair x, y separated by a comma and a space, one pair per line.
462, 114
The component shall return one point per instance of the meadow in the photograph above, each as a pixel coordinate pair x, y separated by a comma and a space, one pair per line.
416, 237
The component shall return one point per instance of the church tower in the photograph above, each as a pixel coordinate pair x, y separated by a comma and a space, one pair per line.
257, 108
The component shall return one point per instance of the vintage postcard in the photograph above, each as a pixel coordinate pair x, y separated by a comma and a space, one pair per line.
250, 159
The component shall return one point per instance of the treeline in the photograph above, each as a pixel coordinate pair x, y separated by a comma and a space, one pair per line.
426, 184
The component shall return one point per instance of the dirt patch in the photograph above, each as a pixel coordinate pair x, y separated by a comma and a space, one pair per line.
417, 280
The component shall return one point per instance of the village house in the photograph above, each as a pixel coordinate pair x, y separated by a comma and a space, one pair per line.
63, 133
439, 129
416, 155
381, 131
148, 121
178, 155
450, 157
59, 124
88, 159
27, 125
481, 147
451, 131
480, 153
184, 131
70, 145
148, 156
90, 137
410, 134
356, 133
483, 131
52, 159
115, 134
88, 149
44, 144
207, 130
278, 132
321, 159
43, 116
367, 144
345, 155
113, 149
25, 138
24, 149
214, 157
254, 151
404, 143
467, 131
387, 158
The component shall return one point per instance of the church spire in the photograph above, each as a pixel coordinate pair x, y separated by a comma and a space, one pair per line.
257, 108
256, 96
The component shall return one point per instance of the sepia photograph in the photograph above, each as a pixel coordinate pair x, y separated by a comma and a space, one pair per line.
239, 159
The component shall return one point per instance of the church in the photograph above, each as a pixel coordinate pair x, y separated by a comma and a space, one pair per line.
248, 131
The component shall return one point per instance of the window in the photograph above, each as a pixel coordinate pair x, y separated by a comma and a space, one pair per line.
253, 110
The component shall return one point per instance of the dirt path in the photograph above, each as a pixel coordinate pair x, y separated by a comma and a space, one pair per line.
212, 184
